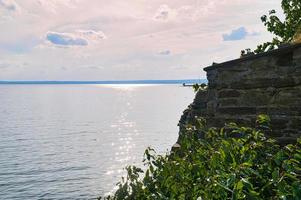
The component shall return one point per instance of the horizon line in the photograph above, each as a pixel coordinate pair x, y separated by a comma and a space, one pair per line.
142, 81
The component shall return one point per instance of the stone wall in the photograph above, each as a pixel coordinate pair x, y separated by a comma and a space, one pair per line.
239, 90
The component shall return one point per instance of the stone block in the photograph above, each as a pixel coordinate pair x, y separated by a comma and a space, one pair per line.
237, 110
201, 97
297, 54
297, 79
255, 97
295, 123
286, 100
285, 59
211, 107
224, 102
239, 90
262, 110
211, 76
286, 70
228, 93
285, 140
263, 83
221, 120
274, 133
212, 94
281, 111
279, 123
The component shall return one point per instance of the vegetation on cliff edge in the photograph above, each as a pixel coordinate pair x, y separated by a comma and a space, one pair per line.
231, 163
287, 30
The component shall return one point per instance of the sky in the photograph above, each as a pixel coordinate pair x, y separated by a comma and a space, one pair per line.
125, 39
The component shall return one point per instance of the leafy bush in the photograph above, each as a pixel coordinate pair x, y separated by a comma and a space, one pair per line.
285, 31
231, 163
196, 87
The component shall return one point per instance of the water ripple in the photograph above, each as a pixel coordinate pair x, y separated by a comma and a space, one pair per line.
73, 142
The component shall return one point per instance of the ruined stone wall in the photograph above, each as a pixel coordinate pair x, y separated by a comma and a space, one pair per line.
239, 90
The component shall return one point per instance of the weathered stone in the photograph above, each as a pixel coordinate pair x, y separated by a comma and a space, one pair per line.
228, 93
297, 77
239, 90
262, 110
297, 54
227, 102
275, 133
286, 99
285, 70
212, 77
237, 110
200, 101
285, 59
285, 140
262, 83
255, 98
201, 96
212, 94
295, 123
279, 123
224, 119
211, 107
281, 111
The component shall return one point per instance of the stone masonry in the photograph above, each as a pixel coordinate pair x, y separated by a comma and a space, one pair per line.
239, 90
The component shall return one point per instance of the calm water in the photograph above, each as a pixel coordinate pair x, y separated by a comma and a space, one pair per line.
73, 141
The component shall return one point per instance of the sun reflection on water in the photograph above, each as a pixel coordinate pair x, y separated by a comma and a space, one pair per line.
127, 130
126, 87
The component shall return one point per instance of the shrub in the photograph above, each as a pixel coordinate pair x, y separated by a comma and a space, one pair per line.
196, 87
285, 31
231, 163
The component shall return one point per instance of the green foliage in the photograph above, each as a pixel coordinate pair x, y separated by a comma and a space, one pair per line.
263, 122
284, 31
246, 52
197, 87
231, 163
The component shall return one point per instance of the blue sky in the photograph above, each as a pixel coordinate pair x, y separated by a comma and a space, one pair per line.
134, 39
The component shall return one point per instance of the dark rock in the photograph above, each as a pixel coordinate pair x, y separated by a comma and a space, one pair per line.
239, 90
237, 110
228, 93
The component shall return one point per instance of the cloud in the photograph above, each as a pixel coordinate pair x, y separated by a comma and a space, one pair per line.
65, 39
20, 45
3, 66
91, 35
164, 13
54, 5
238, 34
78, 38
142, 35
165, 53
94, 67
10, 5
6, 65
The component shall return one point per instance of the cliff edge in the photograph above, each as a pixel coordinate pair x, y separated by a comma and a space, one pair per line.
239, 90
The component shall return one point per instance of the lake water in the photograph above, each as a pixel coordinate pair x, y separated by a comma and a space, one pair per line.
73, 141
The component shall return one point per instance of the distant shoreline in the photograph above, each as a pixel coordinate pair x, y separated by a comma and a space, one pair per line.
180, 81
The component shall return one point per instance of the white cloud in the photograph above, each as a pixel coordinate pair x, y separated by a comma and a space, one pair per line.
65, 39
138, 32
53, 5
3, 65
165, 52
238, 34
78, 38
10, 5
91, 35
165, 13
